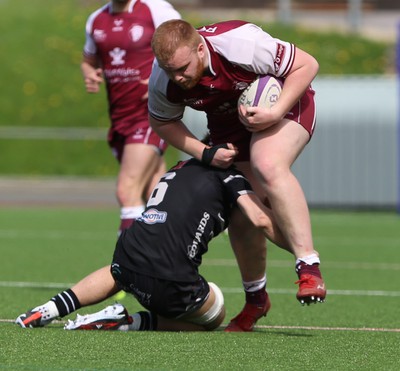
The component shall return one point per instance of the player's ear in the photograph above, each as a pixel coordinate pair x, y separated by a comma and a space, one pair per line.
200, 50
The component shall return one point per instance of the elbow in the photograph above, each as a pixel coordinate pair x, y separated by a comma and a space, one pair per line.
315, 67
265, 222
262, 221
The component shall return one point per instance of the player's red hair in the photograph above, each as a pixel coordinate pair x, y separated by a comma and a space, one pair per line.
172, 35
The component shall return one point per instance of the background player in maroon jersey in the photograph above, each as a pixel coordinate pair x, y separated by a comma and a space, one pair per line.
118, 50
158, 257
207, 69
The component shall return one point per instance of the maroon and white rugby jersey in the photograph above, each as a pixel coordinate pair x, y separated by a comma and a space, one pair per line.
238, 52
122, 42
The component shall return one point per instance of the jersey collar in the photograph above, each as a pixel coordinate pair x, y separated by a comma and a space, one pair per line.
210, 67
130, 8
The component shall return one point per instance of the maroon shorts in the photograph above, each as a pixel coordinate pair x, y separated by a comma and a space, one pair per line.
303, 112
142, 133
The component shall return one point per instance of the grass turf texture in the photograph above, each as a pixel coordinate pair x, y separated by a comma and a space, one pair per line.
43, 78
58, 246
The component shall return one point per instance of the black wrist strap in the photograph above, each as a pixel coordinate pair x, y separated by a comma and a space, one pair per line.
209, 153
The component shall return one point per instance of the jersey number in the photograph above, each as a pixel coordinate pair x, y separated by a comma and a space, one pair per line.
160, 189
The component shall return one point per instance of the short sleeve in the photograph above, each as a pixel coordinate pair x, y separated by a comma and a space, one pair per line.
236, 185
159, 106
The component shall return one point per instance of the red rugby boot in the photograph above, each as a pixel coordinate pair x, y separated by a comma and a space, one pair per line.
311, 285
250, 314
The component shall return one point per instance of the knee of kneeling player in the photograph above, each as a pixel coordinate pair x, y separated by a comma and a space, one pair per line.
215, 314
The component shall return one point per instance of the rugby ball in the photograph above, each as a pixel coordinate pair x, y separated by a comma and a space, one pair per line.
262, 92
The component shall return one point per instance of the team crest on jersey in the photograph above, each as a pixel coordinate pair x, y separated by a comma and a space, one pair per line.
117, 55
153, 216
136, 32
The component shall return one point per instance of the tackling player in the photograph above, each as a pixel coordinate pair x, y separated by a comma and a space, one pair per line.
158, 257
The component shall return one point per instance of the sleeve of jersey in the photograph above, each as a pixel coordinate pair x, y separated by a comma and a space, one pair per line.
162, 11
159, 106
255, 50
237, 185
90, 46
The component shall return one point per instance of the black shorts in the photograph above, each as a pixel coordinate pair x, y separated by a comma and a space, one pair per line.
168, 299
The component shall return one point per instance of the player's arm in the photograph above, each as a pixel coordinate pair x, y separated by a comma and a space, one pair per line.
165, 119
262, 217
178, 135
297, 81
92, 73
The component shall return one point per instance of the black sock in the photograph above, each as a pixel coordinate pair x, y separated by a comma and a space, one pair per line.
66, 302
148, 321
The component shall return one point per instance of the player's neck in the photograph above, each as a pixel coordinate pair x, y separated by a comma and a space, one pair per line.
120, 6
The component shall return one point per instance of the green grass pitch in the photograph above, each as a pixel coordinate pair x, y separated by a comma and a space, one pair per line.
44, 250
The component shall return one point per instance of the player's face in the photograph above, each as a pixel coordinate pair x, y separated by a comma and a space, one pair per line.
186, 67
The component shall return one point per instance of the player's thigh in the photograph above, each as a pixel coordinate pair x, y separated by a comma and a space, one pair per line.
139, 161
212, 312
278, 145
246, 168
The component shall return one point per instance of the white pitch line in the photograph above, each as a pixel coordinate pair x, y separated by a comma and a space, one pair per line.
277, 327
235, 290
227, 290
7, 320
317, 328
40, 285
326, 264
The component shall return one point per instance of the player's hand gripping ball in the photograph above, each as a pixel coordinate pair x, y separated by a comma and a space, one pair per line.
262, 92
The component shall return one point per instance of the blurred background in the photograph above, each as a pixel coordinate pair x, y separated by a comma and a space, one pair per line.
52, 134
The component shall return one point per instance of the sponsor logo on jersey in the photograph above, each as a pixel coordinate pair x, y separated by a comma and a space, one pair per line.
194, 247
280, 54
122, 72
136, 32
226, 108
143, 297
99, 35
117, 55
240, 85
153, 216
193, 102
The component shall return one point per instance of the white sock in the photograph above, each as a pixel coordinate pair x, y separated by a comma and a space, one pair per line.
49, 310
252, 286
134, 326
131, 212
309, 259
